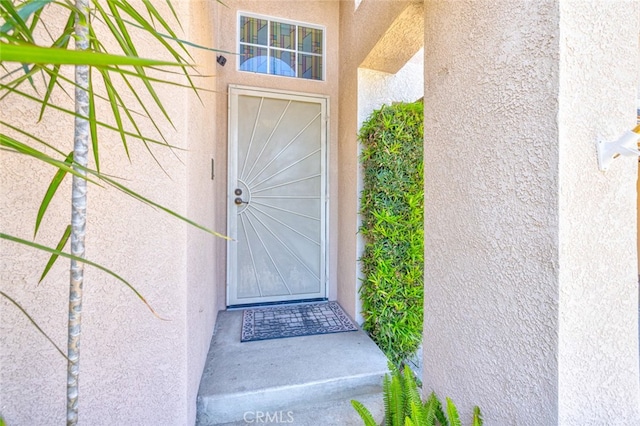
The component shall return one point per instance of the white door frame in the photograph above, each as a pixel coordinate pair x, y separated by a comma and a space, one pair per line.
232, 170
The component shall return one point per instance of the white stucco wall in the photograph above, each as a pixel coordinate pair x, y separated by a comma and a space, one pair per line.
530, 284
598, 347
377, 88
135, 368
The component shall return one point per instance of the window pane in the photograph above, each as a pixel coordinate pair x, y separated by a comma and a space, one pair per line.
253, 30
253, 58
309, 40
310, 67
283, 35
283, 63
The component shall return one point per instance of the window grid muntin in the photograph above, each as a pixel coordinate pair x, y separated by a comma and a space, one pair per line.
296, 51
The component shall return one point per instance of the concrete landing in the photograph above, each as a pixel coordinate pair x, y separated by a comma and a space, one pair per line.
302, 381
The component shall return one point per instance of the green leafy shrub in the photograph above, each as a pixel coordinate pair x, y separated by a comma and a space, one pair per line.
392, 210
404, 407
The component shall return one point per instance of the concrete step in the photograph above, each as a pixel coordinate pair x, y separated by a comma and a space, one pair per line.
328, 413
303, 377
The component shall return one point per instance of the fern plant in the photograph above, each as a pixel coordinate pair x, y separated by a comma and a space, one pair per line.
403, 405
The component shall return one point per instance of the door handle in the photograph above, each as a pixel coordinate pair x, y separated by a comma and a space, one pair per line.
240, 201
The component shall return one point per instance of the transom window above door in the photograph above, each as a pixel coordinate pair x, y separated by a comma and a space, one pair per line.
280, 47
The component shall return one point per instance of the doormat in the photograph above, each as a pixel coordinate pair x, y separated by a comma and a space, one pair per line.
307, 319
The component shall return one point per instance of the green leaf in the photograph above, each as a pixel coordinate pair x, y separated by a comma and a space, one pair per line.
23, 13
452, 412
30, 54
154, 13
438, 410
392, 219
22, 148
115, 101
149, 202
429, 409
54, 257
31, 136
63, 43
93, 127
15, 21
364, 413
81, 260
184, 42
397, 399
477, 416
100, 123
53, 187
386, 399
35, 324
124, 40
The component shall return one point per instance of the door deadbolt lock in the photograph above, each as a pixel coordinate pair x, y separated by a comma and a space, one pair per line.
238, 191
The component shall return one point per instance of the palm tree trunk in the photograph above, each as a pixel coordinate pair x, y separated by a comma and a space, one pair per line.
78, 212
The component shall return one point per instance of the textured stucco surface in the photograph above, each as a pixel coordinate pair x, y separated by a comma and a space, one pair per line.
598, 347
491, 260
529, 286
135, 368
202, 206
399, 43
377, 88
530, 262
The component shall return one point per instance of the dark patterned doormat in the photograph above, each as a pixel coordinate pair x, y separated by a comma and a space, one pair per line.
294, 320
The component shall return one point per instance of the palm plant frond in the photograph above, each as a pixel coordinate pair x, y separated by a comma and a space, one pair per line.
54, 256
60, 253
33, 322
51, 191
102, 75
95, 177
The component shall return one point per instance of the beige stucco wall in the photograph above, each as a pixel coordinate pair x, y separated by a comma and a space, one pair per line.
203, 251
135, 368
321, 12
530, 286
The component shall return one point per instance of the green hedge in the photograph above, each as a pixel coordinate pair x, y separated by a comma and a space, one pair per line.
392, 209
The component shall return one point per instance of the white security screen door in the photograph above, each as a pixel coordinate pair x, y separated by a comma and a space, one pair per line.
276, 197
